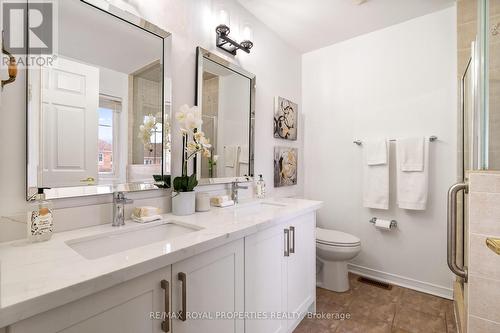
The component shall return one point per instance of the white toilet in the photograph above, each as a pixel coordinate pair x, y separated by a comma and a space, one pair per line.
334, 250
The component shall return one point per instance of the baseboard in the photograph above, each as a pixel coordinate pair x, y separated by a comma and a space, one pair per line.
402, 281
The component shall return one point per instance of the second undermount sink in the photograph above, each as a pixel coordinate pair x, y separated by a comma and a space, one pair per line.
255, 207
99, 246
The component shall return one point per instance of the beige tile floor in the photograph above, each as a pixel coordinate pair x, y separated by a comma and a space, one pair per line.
375, 310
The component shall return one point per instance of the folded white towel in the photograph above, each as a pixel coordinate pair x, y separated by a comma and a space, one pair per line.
412, 185
244, 155
146, 211
146, 219
376, 152
230, 156
376, 180
411, 154
224, 204
217, 200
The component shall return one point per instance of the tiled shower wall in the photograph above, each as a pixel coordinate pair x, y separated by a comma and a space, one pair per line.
484, 264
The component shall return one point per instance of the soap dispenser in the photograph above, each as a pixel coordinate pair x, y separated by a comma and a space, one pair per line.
40, 218
261, 188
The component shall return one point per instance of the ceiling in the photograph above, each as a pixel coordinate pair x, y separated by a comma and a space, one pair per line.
312, 24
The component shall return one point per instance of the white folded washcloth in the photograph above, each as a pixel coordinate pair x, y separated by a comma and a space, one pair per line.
376, 176
411, 154
217, 200
225, 204
376, 152
413, 186
146, 219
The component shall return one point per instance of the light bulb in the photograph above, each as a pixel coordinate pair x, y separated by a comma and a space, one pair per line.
247, 33
223, 17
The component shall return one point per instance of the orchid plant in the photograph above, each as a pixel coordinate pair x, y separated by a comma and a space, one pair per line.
193, 143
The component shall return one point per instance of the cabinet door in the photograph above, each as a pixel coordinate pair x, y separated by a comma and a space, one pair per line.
266, 280
208, 286
130, 307
301, 265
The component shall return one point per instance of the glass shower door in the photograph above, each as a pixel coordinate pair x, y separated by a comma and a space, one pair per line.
487, 105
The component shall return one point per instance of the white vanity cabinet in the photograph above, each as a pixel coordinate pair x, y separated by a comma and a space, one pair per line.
207, 287
125, 308
263, 283
280, 275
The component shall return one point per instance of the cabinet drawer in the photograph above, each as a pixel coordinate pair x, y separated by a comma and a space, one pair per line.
126, 308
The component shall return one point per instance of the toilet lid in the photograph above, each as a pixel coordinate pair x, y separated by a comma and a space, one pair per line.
334, 237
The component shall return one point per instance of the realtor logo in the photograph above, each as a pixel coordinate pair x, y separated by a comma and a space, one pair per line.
29, 28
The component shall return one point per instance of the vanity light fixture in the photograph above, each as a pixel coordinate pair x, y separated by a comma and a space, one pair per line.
225, 42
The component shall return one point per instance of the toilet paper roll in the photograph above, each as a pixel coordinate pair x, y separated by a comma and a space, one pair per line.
383, 224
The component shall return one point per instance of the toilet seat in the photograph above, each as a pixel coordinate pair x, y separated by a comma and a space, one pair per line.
336, 238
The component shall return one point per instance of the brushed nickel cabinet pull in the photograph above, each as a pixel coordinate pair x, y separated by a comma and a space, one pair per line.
494, 245
165, 325
287, 242
292, 242
182, 313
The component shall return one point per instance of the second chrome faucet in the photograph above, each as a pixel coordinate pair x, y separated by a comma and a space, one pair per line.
119, 202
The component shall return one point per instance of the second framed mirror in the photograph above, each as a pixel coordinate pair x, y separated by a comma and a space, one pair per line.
225, 93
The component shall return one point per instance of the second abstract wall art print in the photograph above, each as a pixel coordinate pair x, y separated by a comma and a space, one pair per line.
285, 166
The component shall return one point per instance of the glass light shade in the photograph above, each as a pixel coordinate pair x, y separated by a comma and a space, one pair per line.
223, 18
247, 33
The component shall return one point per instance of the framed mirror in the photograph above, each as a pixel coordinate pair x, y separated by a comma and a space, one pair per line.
98, 117
226, 96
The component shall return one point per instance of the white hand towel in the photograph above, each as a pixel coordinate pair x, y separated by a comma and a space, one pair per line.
376, 152
230, 156
244, 155
376, 179
411, 154
413, 186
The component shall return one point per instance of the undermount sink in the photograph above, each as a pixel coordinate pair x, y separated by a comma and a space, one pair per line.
251, 208
98, 246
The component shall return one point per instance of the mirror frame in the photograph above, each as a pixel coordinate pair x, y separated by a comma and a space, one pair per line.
202, 54
92, 190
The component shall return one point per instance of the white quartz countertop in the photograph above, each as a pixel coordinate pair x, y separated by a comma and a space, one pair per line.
38, 277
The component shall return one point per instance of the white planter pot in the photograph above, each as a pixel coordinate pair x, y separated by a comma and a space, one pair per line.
183, 203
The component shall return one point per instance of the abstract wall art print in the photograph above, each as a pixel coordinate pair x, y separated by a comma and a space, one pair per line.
285, 166
285, 119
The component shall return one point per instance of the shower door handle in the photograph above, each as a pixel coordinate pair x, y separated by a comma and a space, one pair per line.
452, 230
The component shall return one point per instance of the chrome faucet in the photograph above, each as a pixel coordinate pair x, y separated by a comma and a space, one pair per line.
235, 187
119, 202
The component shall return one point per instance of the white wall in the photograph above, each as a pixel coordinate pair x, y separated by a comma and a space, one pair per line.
395, 82
278, 70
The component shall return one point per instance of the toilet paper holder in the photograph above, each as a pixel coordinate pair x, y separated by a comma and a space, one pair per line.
394, 223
